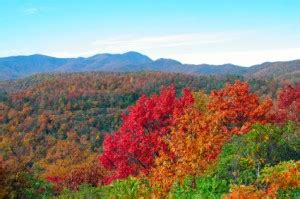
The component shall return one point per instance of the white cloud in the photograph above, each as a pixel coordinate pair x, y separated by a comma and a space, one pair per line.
145, 44
244, 58
178, 40
31, 11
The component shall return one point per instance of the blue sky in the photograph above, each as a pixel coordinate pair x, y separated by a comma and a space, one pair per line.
242, 32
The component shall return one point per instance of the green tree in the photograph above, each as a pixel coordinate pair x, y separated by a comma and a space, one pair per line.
243, 158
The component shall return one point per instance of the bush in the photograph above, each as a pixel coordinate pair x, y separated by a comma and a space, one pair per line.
243, 158
85, 191
282, 180
32, 187
200, 187
127, 188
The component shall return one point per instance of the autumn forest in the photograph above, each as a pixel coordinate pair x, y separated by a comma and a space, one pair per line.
149, 135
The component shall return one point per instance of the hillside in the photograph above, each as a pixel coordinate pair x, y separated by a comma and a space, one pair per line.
86, 103
54, 126
22, 66
274, 69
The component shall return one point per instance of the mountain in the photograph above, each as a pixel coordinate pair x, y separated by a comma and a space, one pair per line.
105, 62
274, 69
21, 66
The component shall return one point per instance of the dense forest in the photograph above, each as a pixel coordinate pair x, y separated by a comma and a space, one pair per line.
149, 135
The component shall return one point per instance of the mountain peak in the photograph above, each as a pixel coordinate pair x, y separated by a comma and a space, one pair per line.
168, 61
130, 55
136, 55
133, 53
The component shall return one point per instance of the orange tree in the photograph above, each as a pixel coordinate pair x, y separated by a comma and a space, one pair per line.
198, 134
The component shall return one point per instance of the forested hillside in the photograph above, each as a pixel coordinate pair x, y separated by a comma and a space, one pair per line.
131, 135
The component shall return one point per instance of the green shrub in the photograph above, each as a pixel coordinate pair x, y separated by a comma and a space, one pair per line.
200, 187
127, 188
243, 158
289, 193
33, 187
85, 191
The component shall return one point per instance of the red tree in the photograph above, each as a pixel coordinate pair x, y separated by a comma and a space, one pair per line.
287, 106
131, 149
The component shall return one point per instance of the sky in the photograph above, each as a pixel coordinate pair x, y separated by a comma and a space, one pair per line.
243, 32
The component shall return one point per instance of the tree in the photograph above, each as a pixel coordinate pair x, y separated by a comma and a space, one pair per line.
193, 145
199, 134
90, 173
239, 108
287, 106
131, 149
63, 157
279, 181
282, 176
243, 158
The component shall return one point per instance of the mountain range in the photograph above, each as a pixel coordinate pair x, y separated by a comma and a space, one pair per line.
15, 67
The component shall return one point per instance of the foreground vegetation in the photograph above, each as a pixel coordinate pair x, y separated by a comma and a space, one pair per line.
73, 136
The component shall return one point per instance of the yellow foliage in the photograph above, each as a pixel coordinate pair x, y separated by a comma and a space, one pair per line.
63, 157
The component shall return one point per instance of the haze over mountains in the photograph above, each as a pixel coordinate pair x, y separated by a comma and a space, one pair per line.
21, 66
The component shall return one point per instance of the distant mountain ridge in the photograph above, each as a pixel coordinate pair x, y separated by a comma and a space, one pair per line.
21, 66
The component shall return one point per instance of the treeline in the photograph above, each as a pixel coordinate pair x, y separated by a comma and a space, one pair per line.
167, 143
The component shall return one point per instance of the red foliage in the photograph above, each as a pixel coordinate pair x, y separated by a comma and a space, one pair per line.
55, 179
131, 150
57, 182
288, 105
91, 174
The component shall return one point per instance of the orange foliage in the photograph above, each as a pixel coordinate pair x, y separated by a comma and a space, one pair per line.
63, 157
193, 144
239, 108
244, 192
199, 134
283, 176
